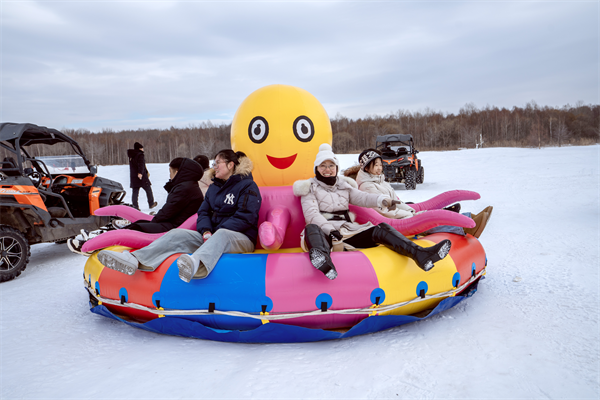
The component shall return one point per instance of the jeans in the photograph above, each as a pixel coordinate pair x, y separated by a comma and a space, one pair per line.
135, 193
188, 241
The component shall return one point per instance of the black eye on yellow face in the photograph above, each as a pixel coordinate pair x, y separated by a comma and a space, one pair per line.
304, 130
258, 130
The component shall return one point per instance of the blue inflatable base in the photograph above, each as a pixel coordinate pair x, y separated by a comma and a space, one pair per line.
280, 333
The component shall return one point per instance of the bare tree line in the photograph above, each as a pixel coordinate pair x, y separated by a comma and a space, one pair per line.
530, 126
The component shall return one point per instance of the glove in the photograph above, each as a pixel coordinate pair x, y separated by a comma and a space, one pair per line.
335, 235
390, 204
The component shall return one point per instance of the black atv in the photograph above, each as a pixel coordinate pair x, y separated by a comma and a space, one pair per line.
400, 162
45, 199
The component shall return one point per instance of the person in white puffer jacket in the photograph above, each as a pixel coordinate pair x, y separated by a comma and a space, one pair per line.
330, 225
370, 179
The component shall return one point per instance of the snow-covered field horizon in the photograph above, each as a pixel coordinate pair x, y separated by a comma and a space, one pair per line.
531, 331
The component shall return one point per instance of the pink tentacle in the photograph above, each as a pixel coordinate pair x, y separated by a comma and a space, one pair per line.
129, 213
445, 199
121, 237
417, 224
125, 237
272, 231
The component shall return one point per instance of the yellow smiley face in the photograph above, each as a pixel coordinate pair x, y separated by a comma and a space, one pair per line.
280, 128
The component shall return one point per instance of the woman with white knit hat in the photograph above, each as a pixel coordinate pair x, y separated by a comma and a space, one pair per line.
330, 225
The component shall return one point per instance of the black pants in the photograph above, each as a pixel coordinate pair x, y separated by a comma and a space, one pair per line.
362, 240
149, 226
135, 193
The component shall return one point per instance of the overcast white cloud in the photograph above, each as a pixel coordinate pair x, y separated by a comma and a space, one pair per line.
133, 64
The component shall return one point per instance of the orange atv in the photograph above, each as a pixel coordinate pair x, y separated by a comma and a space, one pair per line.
400, 162
45, 199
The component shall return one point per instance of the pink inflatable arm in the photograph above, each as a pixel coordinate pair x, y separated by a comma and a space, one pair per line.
445, 199
272, 231
125, 237
129, 213
414, 225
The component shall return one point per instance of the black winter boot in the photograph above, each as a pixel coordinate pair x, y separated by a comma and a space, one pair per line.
425, 257
318, 250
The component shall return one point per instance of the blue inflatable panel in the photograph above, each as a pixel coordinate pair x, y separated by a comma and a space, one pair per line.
279, 333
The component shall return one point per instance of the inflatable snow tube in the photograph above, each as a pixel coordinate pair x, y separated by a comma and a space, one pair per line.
276, 295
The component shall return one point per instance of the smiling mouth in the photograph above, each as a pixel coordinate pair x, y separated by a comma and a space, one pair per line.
282, 163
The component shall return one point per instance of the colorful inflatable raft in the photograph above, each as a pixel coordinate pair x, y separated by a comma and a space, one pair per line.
276, 295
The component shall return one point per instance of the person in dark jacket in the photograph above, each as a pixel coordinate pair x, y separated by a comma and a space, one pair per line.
227, 223
184, 199
138, 176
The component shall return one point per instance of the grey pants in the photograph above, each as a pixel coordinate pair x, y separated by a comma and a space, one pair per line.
188, 241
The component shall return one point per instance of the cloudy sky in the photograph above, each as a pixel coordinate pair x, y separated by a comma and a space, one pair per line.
129, 64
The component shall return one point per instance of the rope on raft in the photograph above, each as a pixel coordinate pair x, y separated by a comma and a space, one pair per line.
266, 317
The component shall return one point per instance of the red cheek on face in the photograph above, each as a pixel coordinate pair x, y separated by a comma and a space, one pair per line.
282, 163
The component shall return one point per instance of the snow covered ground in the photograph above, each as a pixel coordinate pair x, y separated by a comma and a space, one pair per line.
531, 331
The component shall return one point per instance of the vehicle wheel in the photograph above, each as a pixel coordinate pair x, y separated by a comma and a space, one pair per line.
410, 179
14, 253
421, 175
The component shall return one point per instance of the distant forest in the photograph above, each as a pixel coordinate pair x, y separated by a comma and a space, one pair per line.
531, 126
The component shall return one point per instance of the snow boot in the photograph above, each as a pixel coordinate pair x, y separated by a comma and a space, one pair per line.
481, 221
318, 250
425, 257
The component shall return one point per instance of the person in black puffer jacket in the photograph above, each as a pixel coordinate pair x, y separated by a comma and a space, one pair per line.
139, 176
183, 201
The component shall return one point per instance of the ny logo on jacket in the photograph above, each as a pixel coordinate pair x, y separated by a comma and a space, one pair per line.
229, 198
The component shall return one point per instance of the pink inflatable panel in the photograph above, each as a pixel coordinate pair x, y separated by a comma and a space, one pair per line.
352, 289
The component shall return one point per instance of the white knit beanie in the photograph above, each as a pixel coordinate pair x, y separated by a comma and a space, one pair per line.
325, 153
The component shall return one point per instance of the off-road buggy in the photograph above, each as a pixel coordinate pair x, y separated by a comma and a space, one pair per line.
400, 162
45, 199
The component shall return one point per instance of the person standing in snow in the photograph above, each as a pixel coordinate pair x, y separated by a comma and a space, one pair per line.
330, 225
139, 176
227, 223
371, 179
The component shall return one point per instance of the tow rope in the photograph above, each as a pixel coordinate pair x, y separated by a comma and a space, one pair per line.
374, 309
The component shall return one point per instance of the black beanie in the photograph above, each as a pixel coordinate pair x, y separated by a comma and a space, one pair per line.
138, 146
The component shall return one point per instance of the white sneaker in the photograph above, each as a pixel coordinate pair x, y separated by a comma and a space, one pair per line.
75, 246
120, 223
188, 267
124, 262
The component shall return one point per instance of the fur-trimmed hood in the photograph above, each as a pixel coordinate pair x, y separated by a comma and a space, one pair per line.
244, 169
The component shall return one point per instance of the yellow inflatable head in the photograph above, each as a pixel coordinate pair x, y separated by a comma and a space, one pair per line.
280, 128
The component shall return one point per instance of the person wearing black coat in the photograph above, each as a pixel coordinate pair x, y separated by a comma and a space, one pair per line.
184, 199
138, 176
227, 223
